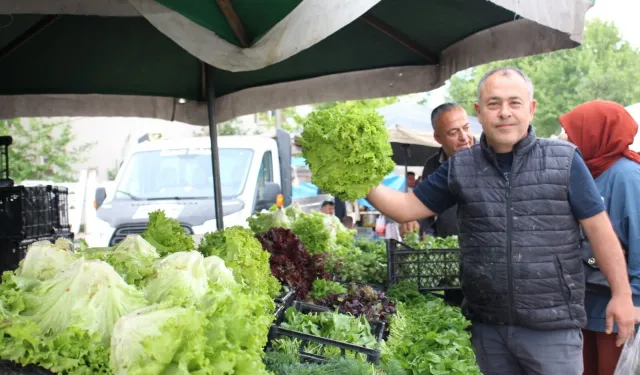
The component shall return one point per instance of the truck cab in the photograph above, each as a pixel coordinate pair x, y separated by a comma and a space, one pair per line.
176, 176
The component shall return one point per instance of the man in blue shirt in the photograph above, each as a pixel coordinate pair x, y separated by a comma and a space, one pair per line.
520, 201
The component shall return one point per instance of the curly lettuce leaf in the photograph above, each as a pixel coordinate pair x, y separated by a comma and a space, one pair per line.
72, 351
312, 232
347, 149
237, 330
243, 254
159, 340
166, 234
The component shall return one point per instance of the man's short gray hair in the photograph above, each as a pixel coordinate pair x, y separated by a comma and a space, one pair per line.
440, 110
507, 70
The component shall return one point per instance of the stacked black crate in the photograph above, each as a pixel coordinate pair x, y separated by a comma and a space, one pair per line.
28, 214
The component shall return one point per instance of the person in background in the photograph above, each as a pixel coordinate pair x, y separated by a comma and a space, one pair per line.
452, 130
347, 221
340, 208
411, 180
522, 201
603, 131
328, 208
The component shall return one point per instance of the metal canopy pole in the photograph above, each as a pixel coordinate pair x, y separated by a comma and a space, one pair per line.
213, 135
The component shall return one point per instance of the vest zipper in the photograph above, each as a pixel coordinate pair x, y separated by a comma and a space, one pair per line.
512, 301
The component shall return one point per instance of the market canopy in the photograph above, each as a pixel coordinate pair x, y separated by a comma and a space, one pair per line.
147, 58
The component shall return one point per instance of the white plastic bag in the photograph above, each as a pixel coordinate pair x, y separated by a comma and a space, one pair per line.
629, 362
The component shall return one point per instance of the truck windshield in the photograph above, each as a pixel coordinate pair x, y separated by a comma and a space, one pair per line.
183, 174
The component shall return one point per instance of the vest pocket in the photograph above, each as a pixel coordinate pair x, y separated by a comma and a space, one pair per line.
563, 286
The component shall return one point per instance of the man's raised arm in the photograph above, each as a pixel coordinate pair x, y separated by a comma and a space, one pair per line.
400, 206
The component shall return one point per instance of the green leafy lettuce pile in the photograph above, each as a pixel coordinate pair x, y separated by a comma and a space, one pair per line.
427, 336
319, 233
130, 310
244, 255
347, 149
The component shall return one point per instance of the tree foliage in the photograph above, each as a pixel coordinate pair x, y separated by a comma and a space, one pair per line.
604, 67
43, 150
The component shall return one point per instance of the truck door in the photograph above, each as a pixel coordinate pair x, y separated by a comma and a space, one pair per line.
265, 177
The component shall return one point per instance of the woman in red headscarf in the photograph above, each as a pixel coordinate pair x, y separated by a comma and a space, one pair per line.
603, 131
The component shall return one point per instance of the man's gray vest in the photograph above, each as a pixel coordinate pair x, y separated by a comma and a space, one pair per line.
519, 242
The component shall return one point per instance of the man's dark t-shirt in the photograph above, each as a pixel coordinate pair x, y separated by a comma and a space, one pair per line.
584, 196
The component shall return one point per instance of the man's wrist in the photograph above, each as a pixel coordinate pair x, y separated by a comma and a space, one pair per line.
622, 291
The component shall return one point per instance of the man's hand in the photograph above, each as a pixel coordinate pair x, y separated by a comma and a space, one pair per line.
621, 310
610, 258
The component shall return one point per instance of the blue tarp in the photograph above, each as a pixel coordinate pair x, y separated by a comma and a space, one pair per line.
305, 190
392, 181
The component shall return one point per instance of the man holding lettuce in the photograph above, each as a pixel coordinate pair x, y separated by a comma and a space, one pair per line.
521, 202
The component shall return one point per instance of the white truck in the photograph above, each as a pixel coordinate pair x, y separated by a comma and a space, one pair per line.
176, 176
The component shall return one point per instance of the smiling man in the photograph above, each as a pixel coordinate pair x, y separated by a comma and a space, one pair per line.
521, 201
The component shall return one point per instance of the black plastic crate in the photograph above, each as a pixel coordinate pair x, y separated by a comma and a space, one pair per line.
60, 208
5, 142
432, 269
12, 251
12, 368
26, 212
277, 332
286, 297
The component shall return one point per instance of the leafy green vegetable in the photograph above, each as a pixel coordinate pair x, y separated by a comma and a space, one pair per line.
434, 259
156, 340
319, 233
323, 288
286, 364
132, 258
347, 149
428, 337
367, 262
43, 260
180, 278
412, 239
237, 330
243, 254
218, 272
331, 325
310, 229
87, 294
166, 234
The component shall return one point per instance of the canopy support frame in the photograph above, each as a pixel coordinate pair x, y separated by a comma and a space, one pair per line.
213, 136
